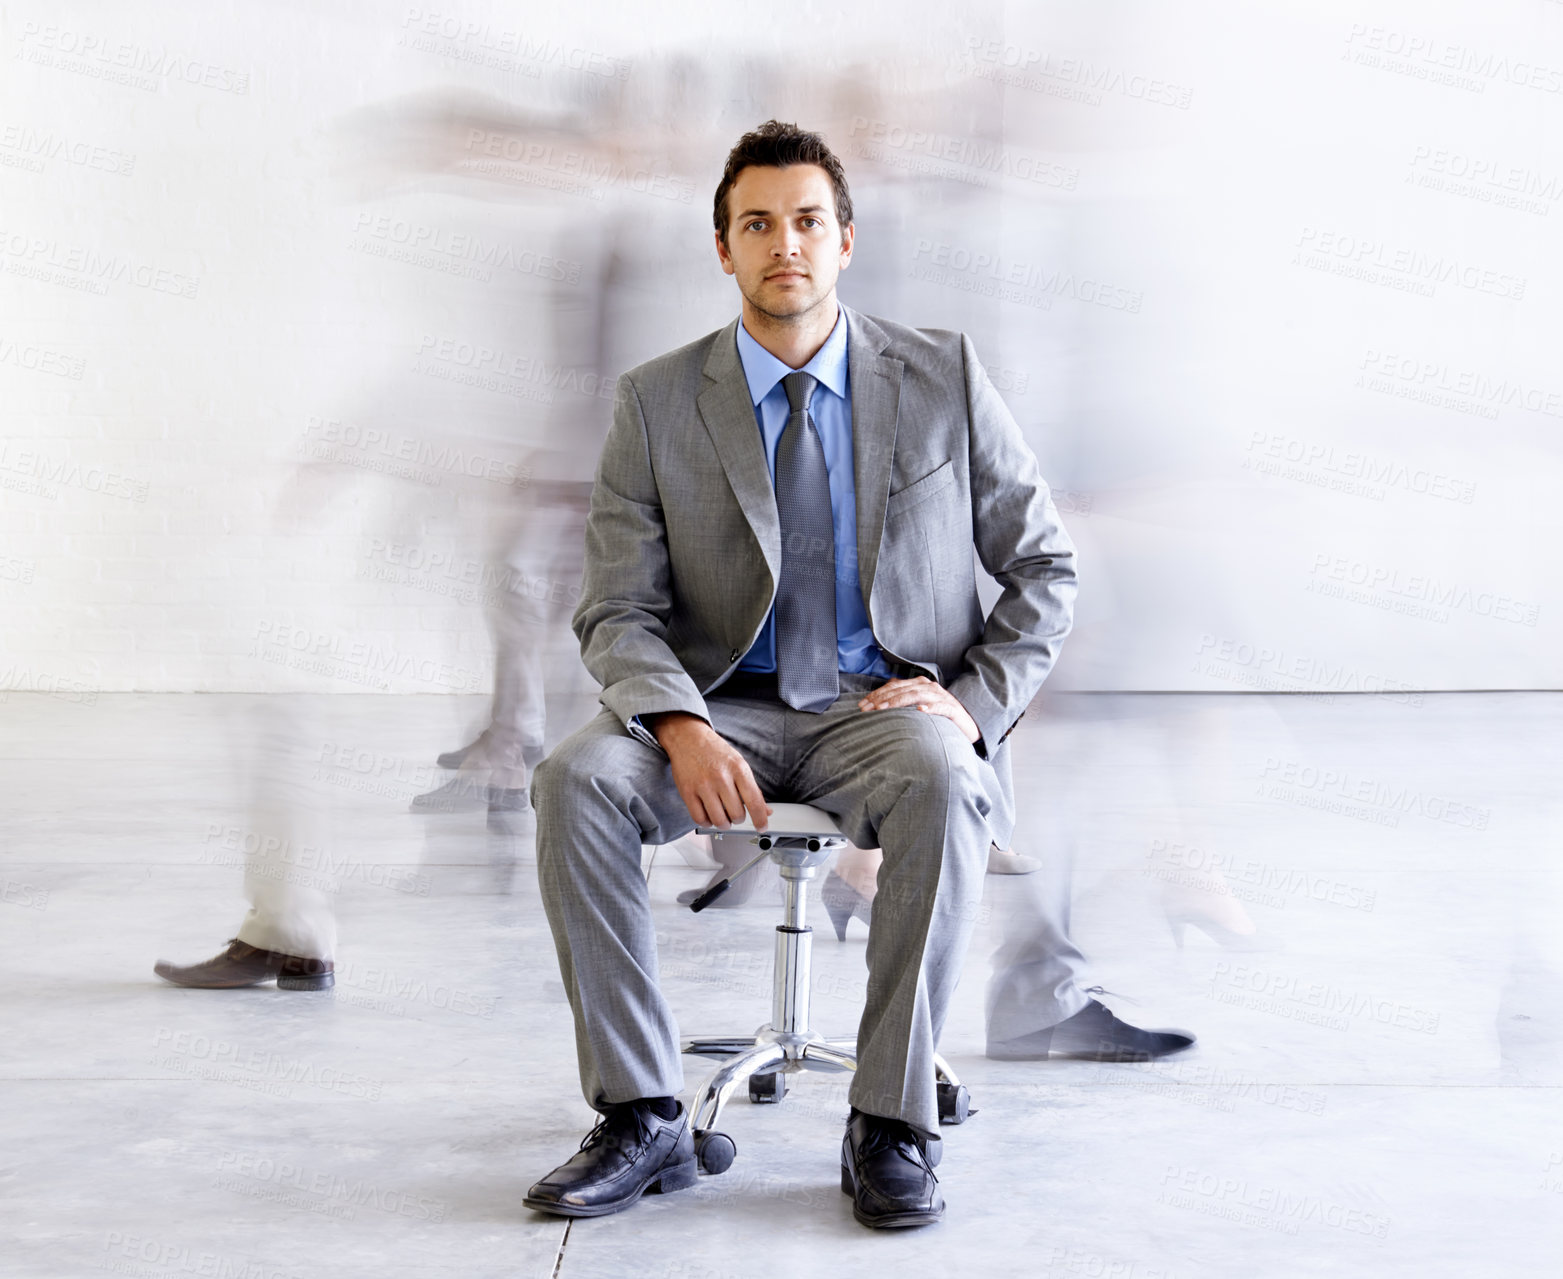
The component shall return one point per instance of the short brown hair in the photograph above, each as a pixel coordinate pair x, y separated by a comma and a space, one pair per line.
778, 145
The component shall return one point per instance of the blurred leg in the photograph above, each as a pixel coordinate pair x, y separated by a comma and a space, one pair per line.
287, 877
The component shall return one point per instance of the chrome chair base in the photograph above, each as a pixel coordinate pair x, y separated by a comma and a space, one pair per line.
767, 1053
800, 839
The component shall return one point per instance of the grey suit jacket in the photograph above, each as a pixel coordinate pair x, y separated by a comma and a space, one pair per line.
683, 543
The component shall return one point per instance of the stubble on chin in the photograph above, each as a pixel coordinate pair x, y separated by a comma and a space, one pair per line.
799, 308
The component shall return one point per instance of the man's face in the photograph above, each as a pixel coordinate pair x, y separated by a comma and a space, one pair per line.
784, 245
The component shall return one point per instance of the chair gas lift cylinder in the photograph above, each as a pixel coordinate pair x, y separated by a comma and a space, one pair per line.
799, 839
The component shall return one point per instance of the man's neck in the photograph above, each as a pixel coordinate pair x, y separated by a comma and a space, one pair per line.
794, 341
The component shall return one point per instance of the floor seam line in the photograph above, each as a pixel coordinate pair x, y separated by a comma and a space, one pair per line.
564, 1240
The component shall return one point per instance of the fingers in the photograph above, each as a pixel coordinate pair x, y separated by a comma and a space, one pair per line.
720, 792
914, 697
719, 788
759, 810
908, 692
924, 695
944, 712
731, 801
879, 696
720, 802
957, 715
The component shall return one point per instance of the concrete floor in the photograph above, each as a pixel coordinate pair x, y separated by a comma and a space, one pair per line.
1375, 1092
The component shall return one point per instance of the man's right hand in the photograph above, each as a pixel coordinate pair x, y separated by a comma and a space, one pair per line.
713, 779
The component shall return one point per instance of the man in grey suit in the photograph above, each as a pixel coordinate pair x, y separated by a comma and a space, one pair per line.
780, 599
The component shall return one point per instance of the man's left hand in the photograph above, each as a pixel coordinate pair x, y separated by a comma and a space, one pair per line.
924, 695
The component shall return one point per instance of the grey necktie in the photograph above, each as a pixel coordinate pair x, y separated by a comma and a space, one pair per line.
806, 661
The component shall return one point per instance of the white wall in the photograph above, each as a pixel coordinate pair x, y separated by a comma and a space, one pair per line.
1275, 300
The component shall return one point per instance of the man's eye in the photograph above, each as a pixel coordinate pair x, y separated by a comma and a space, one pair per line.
811, 222
755, 225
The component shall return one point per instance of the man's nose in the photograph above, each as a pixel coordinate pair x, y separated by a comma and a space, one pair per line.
786, 244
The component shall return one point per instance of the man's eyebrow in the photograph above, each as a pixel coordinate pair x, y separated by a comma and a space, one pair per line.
765, 213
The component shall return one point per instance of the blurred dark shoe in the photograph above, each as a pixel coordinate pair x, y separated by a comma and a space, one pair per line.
1002, 861
458, 757
631, 1152
460, 795
494, 750
245, 965
843, 902
502, 799
885, 1168
1092, 1034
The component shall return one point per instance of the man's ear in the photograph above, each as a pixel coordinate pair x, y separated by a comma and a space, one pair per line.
723, 255
848, 233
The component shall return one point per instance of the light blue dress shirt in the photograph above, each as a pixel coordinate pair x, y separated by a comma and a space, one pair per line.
831, 409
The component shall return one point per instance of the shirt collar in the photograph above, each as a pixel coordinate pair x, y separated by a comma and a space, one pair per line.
763, 371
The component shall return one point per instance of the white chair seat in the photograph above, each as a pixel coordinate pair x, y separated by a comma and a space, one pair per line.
786, 819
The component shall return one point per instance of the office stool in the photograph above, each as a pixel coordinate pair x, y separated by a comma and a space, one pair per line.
799, 839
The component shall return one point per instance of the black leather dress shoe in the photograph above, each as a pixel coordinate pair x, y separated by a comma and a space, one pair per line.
885, 1168
245, 965
1092, 1034
631, 1152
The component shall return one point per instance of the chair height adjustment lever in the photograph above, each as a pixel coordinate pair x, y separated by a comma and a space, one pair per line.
722, 885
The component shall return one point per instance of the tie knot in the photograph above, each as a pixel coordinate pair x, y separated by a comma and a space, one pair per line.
800, 390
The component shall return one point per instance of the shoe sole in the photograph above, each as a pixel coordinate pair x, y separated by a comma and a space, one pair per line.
321, 981
1000, 1054
214, 985
679, 1177
892, 1221
324, 981
447, 807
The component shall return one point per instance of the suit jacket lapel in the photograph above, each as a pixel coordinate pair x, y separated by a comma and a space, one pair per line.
728, 413
876, 400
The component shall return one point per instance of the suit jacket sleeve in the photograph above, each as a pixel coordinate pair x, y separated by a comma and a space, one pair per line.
1023, 545
627, 593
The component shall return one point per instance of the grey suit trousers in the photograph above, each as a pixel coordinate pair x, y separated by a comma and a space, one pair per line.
1035, 982
901, 779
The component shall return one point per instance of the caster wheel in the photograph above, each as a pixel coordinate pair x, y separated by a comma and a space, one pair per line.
715, 1152
767, 1090
954, 1104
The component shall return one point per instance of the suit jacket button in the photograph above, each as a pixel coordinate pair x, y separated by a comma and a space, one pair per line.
734, 655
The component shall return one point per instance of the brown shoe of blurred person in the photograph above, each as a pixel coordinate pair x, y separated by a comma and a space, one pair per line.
245, 965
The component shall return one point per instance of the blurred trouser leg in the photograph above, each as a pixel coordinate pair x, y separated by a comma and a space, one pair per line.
542, 578
288, 918
287, 875
1036, 968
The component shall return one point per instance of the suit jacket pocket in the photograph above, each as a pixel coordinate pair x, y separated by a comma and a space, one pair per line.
936, 481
